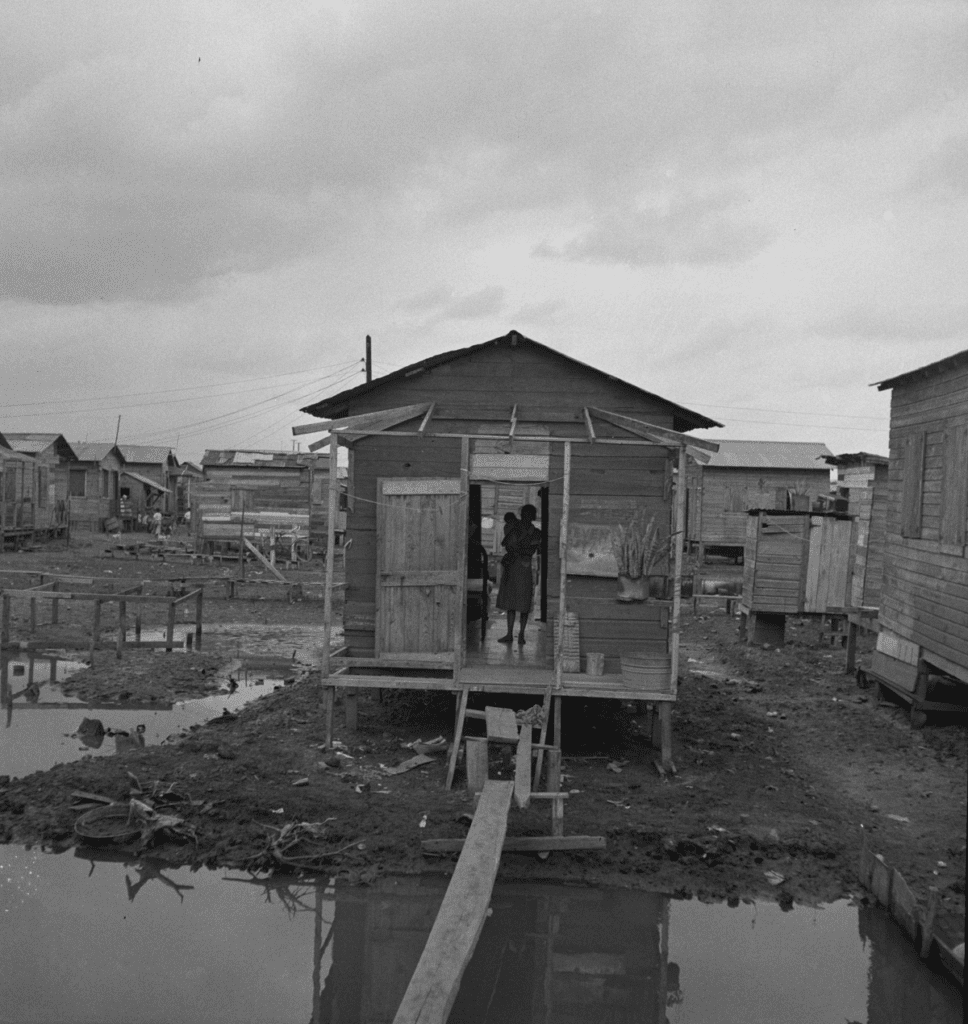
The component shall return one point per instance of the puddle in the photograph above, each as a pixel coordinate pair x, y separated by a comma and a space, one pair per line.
220, 946
39, 721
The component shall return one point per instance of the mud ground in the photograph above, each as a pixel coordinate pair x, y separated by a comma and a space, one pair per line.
781, 762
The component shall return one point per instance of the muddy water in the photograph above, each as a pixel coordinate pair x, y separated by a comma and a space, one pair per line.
173, 945
39, 723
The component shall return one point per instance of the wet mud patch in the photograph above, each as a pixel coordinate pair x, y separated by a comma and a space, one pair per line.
144, 676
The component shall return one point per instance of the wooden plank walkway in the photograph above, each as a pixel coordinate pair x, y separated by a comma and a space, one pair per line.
434, 985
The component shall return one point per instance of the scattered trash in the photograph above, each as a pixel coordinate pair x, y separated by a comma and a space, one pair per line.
734, 736
435, 746
773, 714
423, 822
774, 877
533, 716
301, 782
412, 762
942, 864
898, 817
715, 828
278, 810
619, 803
615, 766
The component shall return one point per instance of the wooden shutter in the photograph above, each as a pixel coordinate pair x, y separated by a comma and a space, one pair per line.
912, 485
954, 484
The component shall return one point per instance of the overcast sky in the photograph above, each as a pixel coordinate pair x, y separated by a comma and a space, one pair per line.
754, 209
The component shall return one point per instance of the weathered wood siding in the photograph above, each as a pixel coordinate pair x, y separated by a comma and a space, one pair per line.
138, 501
608, 485
924, 598
476, 394
101, 493
373, 458
775, 563
289, 498
18, 483
868, 502
720, 497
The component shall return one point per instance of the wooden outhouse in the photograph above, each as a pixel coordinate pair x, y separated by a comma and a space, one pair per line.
863, 477
428, 445
54, 457
263, 495
147, 481
795, 563
923, 615
744, 475
95, 484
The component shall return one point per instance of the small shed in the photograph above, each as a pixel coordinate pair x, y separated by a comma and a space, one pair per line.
924, 598
18, 482
262, 495
795, 563
54, 457
744, 475
862, 478
95, 484
147, 481
427, 443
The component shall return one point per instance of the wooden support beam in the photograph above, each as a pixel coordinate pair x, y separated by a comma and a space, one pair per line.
319, 445
367, 422
500, 724
433, 987
265, 561
522, 768
514, 422
699, 449
522, 844
459, 714
589, 426
425, 422
331, 510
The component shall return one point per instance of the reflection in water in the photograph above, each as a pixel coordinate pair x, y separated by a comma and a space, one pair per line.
240, 948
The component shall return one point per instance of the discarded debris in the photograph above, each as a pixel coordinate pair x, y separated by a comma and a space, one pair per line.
301, 782
898, 817
774, 877
615, 766
413, 762
619, 803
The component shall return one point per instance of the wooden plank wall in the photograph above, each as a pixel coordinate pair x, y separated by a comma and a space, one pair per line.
868, 502
608, 485
728, 494
89, 512
924, 597
280, 492
375, 457
775, 568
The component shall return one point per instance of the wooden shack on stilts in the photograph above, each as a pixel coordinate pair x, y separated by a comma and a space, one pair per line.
423, 443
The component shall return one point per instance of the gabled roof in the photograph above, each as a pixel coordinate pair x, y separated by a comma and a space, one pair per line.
3, 442
34, 443
801, 455
331, 407
146, 453
258, 457
95, 451
942, 365
189, 468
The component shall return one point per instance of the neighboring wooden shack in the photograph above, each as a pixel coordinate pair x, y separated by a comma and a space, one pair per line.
147, 483
864, 478
188, 477
54, 457
744, 475
795, 563
95, 484
263, 494
924, 599
424, 443
18, 481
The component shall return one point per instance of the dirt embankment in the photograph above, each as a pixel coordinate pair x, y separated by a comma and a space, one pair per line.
781, 762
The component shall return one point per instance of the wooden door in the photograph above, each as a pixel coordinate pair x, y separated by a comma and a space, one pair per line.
421, 564
829, 564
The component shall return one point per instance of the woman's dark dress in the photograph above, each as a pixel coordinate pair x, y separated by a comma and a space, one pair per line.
516, 592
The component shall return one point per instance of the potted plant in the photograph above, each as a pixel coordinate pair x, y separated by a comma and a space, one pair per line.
639, 549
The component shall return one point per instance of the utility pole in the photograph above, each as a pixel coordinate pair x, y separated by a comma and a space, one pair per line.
369, 359
117, 432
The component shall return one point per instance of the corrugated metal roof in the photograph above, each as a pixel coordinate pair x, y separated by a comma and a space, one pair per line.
91, 451
801, 455
147, 481
145, 453
684, 419
258, 457
858, 459
34, 443
951, 362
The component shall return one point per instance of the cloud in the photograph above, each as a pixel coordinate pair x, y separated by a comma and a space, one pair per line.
475, 306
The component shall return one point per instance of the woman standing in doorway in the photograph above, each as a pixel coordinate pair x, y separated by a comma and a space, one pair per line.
516, 592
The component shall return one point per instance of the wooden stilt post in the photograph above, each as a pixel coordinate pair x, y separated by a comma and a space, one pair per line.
331, 511
95, 628
170, 632
198, 620
562, 606
665, 711
33, 615
122, 626
458, 733
55, 605
5, 622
